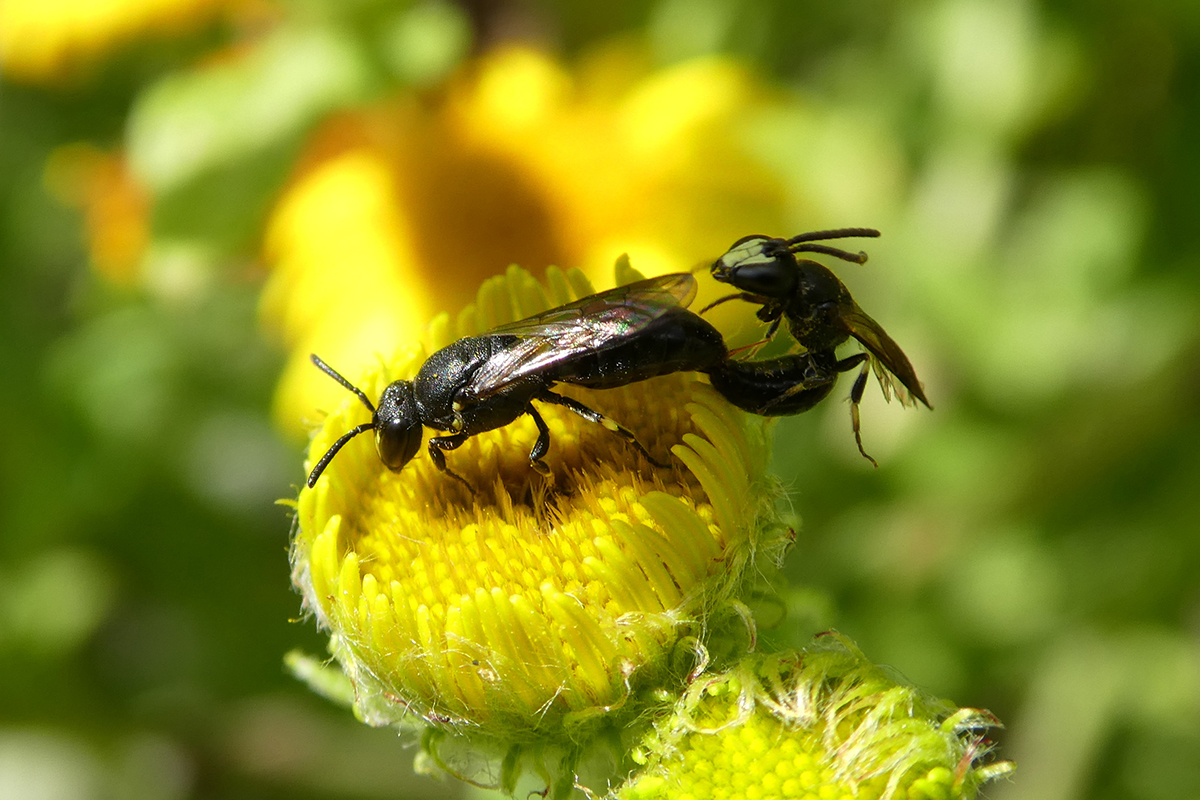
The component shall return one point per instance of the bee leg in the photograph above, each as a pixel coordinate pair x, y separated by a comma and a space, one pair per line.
749, 298
856, 396
438, 444
541, 446
770, 334
753, 347
849, 363
806, 385
756, 346
595, 416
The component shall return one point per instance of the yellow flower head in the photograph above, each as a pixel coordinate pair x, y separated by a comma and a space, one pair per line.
822, 724
534, 610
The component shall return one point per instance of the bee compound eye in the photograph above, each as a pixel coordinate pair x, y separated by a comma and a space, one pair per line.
771, 276
397, 442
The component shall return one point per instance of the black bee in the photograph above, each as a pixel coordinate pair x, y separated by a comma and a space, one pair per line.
821, 315
480, 383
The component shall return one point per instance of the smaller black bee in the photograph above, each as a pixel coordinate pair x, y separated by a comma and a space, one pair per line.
821, 315
480, 383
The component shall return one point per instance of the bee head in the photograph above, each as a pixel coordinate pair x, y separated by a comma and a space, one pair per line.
397, 425
768, 267
759, 265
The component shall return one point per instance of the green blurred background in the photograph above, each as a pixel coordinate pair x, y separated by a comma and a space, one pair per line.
1031, 547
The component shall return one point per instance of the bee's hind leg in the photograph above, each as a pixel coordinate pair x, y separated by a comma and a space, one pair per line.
541, 446
595, 416
856, 396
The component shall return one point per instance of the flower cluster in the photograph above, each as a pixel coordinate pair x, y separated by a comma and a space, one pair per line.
537, 619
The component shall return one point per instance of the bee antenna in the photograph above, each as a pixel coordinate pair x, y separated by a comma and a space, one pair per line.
855, 258
836, 233
333, 373
796, 244
338, 445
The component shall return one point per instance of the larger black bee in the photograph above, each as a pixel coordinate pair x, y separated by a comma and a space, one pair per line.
480, 383
821, 315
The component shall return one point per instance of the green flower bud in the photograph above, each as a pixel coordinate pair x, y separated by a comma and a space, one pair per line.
822, 724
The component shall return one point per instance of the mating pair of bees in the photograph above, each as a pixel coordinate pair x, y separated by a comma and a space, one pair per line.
640, 331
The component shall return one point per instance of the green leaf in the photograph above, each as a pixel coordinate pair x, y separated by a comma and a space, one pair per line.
190, 123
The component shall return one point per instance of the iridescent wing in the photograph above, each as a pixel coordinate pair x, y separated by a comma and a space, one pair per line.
588, 325
887, 359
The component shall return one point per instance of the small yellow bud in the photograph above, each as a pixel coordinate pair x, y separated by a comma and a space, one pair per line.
822, 724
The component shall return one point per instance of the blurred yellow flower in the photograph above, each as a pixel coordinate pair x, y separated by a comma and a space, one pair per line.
46, 41
535, 610
517, 159
822, 724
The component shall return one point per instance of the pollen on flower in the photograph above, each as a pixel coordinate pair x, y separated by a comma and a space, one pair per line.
533, 605
823, 724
